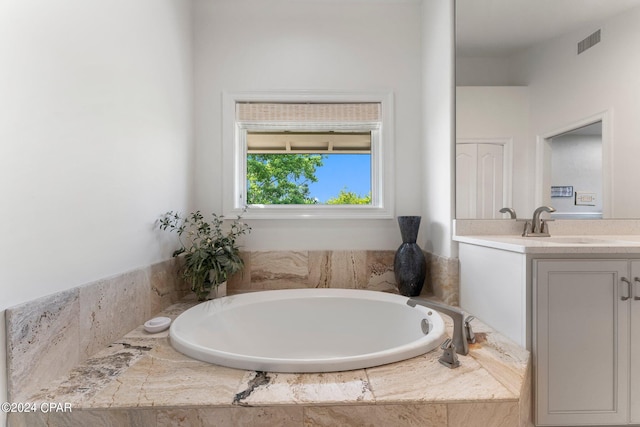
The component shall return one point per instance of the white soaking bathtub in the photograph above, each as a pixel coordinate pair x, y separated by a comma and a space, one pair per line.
307, 330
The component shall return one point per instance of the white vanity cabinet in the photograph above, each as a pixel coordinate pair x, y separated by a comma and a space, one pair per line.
574, 301
494, 288
586, 341
635, 343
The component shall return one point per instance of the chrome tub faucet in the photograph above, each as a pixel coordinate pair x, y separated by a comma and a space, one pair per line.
461, 324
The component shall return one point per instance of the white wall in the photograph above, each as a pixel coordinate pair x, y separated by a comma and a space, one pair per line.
576, 160
438, 91
486, 71
95, 140
253, 45
566, 88
501, 112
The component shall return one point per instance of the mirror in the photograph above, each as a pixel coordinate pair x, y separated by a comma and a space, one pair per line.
528, 71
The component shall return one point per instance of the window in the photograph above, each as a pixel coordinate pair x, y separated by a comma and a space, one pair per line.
310, 168
308, 155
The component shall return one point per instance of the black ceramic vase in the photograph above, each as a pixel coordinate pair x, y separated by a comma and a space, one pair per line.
409, 264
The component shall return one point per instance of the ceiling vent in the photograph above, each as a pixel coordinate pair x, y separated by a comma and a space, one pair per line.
590, 41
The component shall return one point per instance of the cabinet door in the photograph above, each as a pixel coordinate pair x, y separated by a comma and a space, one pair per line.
581, 342
635, 343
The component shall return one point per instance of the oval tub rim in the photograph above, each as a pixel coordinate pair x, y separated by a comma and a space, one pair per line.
409, 350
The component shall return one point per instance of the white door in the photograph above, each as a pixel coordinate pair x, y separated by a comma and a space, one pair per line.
479, 180
635, 343
581, 342
466, 180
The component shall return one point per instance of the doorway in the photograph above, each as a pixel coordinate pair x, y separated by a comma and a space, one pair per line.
483, 178
572, 170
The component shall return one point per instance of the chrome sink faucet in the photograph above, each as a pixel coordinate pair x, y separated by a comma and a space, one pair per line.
510, 211
461, 324
538, 226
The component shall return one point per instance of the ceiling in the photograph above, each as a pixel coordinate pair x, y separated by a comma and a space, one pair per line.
502, 27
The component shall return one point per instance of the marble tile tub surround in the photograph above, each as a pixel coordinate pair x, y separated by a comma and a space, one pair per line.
49, 336
371, 270
141, 381
565, 227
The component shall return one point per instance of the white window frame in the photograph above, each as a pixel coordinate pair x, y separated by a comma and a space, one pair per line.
234, 152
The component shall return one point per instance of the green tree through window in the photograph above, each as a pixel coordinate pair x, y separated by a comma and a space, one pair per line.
281, 178
347, 197
278, 179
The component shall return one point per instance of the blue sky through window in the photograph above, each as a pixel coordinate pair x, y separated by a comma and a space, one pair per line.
340, 171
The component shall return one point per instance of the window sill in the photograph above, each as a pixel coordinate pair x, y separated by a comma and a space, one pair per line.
313, 212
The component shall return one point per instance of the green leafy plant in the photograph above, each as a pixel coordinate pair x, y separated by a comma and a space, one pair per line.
211, 253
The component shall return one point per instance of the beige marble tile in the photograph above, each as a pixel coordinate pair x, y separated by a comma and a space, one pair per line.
166, 286
152, 381
171, 312
281, 416
96, 373
432, 415
178, 308
142, 417
279, 269
380, 271
42, 341
173, 417
320, 269
287, 416
526, 402
84, 418
443, 279
27, 419
499, 414
349, 269
56, 332
140, 332
165, 353
143, 371
241, 281
502, 358
383, 283
267, 388
111, 307
338, 269
403, 381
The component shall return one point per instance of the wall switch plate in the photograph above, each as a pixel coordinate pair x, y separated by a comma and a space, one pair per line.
584, 198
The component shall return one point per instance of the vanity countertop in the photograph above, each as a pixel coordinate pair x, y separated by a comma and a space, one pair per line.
141, 380
557, 244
